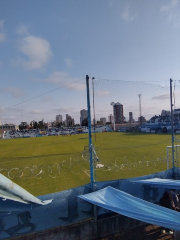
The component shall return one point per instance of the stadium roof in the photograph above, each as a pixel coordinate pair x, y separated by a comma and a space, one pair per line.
158, 182
130, 206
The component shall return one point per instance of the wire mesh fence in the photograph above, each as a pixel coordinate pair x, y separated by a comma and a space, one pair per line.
48, 174
51, 164
139, 113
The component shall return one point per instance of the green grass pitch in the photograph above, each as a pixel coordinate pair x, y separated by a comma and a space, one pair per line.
50, 164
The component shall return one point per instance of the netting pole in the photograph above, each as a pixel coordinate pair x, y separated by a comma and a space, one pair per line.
90, 135
172, 127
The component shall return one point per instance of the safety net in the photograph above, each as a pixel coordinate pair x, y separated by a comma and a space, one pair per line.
130, 206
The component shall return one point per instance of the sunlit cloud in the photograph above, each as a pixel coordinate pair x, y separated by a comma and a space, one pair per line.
127, 15
22, 30
62, 79
36, 111
169, 6
68, 62
171, 11
46, 98
110, 3
36, 50
162, 97
101, 93
2, 33
14, 92
77, 86
63, 110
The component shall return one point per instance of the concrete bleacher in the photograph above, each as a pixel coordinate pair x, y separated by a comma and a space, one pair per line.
28, 133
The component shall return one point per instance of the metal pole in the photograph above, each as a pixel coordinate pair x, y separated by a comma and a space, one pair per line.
113, 104
172, 126
114, 119
90, 135
167, 154
94, 109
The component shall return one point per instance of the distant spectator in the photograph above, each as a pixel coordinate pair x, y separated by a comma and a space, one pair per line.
167, 202
175, 198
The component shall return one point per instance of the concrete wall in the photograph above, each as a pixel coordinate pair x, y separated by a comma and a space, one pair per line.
88, 229
69, 215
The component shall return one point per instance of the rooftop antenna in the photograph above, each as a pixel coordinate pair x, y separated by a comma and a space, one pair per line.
139, 95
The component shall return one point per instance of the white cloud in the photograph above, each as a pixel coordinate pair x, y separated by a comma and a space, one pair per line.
170, 10
101, 93
2, 34
2, 37
77, 86
110, 4
68, 62
22, 30
62, 79
58, 77
37, 111
127, 15
1, 24
169, 6
63, 110
14, 92
37, 52
172, 16
46, 98
161, 97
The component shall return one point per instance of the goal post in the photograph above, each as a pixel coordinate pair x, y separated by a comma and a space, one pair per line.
167, 154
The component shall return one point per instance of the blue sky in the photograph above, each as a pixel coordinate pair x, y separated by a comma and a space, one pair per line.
45, 45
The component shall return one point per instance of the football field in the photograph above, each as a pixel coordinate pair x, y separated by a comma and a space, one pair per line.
44, 165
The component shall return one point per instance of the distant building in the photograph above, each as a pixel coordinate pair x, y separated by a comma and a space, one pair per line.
177, 111
164, 113
59, 118
118, 113
83, 115
93, 121
103, 120
131, 120
69, 121
7, 127
141, 119
110, 118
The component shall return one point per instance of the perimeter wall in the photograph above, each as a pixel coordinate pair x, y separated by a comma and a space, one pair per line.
66, 209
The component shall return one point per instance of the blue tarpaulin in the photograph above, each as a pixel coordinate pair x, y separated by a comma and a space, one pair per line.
160, 183
130, 206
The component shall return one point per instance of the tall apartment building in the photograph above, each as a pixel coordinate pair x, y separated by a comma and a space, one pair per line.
83, 115
130, 117
110, 118
118, 113
59, 118
69, 121
103, 120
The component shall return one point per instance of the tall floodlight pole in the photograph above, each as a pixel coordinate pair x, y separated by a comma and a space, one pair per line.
172, 127
139, 107
90, 135
112, 104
